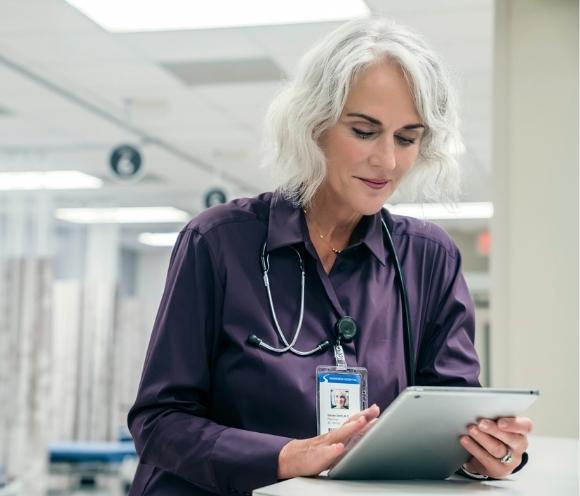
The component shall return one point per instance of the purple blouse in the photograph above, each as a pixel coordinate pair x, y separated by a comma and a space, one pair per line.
213, 412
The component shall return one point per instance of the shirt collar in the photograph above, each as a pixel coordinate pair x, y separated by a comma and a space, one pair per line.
370, 232
287, 227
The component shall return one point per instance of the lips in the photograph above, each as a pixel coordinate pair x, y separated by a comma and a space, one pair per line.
374, 183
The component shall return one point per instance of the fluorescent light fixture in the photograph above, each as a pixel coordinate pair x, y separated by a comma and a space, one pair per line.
137, 15
125, 215
158, 239
35, 180
438, 211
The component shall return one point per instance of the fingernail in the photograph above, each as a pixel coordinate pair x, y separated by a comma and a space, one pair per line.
484, 425
473, 430
503, 424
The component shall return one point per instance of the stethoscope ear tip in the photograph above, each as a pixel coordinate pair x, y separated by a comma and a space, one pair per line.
324, 345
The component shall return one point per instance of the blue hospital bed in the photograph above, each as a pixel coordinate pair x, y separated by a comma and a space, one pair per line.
83, 461
91, 452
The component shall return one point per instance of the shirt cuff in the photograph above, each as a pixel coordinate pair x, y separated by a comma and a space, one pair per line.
245, 460
472, 475
522, 463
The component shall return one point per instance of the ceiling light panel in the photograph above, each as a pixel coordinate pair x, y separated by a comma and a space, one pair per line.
158, 239
137, 16
226, 71
439, 211
122, 215
54, 180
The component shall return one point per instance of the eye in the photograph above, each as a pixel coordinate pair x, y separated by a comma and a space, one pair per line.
405, 141
359, 133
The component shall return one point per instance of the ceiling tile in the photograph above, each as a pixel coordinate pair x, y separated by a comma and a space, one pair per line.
225, 71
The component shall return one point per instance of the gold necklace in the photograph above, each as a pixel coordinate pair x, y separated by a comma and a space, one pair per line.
320, 235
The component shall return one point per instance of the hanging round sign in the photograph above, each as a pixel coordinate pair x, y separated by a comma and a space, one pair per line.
215, 196
126, 162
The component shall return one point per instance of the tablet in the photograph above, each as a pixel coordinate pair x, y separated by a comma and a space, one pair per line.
417, 436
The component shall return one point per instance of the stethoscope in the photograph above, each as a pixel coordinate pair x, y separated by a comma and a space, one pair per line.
346, 327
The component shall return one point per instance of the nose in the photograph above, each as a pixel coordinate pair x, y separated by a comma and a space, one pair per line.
384, 154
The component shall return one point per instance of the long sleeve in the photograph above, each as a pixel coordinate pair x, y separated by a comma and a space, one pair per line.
447, 355
170, 420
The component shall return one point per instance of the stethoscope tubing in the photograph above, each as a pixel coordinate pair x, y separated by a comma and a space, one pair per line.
289, 346
408, 343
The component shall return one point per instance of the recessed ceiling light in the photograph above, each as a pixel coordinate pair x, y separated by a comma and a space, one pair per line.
158, 239
123, 215
137, 15
35, 180
438, 211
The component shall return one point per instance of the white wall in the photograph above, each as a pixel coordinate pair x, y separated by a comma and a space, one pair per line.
534, 262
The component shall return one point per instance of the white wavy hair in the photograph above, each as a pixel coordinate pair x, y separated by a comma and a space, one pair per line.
313, 101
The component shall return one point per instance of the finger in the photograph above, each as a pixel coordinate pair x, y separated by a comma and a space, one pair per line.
490, 466
517, 442
345, 432
304, 457
355, 438
323, 457
517, 425
492, 445
474, 466
496, 441
370, 413
367, 427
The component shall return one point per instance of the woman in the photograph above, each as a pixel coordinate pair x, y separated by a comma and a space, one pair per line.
219, 411
342, 402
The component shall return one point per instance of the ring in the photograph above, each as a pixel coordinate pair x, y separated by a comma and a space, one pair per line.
507, 458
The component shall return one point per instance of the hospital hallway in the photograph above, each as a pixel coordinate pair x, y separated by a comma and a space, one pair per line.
227, 225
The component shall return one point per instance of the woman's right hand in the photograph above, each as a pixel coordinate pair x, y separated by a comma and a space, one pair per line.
304, 457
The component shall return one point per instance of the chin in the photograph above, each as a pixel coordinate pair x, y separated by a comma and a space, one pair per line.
370, 204
370, 208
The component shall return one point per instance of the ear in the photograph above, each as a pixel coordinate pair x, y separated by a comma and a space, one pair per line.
322, 139
319, 134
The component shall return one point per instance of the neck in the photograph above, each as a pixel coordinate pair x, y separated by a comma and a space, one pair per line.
335, 222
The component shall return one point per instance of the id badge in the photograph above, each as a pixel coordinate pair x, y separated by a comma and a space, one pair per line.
340, 393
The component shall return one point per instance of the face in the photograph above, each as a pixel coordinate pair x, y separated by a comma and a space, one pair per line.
341, 401
374, 143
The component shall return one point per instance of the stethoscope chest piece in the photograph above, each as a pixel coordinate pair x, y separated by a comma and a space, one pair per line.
346, 329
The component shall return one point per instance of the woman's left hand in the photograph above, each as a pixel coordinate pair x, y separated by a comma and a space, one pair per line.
489, 441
